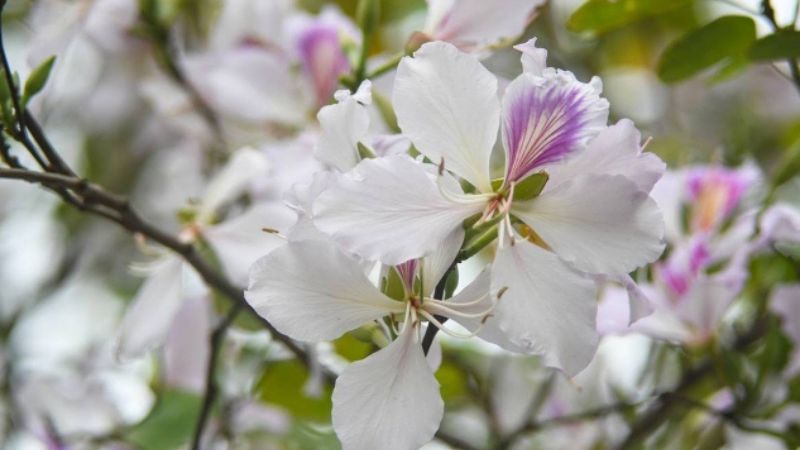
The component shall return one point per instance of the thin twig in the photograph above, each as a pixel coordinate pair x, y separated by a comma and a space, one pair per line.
769, 13
215, 342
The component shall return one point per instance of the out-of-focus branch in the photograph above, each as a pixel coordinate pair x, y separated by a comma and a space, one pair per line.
159, 35
211, 391
666, 403
769, 13
90, 198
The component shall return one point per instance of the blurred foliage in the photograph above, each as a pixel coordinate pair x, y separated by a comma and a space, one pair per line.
282, 383
170, 423
602, 16
726, 37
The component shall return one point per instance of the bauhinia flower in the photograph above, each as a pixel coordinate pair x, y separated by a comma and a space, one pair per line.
277, 77
589, 214
710, 226
150, 317
312, 291
474, 25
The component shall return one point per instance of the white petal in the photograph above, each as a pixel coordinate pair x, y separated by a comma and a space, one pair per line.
389, 400
707, 301
613, 310
548, 309
239, 242
151, 313
781, 224
446, 103
615, 151
597, 223
311, 291
785, 301
534, 59
435, 265
475, 24
343, 125
186, 349
389, 210
231, 181
669, 195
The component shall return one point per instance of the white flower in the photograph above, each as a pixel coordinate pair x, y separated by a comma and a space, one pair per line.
478, 24
236, 243
593, 214
312, 291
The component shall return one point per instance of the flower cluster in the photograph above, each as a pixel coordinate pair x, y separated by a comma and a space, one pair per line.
372, 229
572, 202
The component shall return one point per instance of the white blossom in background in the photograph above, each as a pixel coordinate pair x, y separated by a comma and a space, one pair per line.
236, 243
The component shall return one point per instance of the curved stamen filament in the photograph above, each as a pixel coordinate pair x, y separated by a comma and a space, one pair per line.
470, 303
452, 333
384, 327
447, 311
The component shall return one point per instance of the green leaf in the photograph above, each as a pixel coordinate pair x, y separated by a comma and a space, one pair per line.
282, 383
170, 423
601, 16
783, 44
37, 80
453, 382
530, 186
351, 348
726, 37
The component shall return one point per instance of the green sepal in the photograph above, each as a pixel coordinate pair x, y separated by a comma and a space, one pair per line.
365, 152
530, 186
37, 80
451, 283
393, 285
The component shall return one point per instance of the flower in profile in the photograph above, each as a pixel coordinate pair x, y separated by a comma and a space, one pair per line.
168, 278
312, 291
475, 25
712, 234
555, 213
278, 77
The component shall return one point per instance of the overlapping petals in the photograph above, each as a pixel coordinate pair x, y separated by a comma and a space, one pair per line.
391, 210
446, 103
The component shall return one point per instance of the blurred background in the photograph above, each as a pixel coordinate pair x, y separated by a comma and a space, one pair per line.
120, 106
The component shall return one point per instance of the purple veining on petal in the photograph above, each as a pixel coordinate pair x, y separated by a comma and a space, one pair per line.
715, 193
323, 59
684, 265
543, 125
407, 272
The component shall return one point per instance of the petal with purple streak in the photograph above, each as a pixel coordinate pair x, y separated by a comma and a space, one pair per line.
322, 59
548, 117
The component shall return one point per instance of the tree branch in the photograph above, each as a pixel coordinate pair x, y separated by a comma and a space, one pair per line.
210, 396
661, 411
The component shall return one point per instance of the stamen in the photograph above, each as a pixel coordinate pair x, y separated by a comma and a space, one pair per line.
463, 199
444, 330
385, 328
472, 303
447, 311
274, 231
